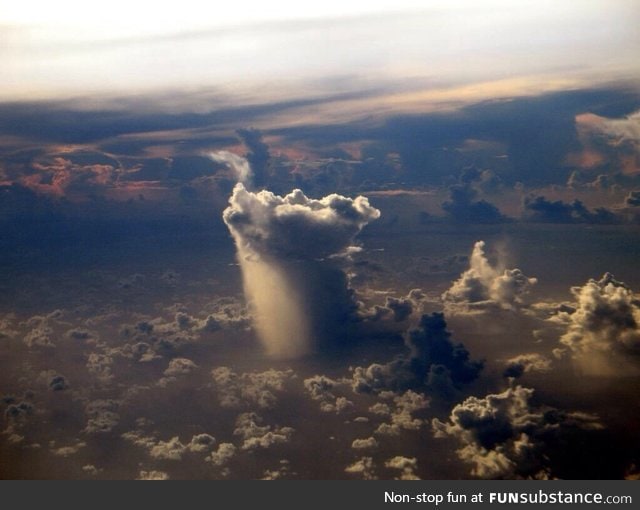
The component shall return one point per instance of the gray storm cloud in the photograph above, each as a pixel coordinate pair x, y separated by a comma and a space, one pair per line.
288, 249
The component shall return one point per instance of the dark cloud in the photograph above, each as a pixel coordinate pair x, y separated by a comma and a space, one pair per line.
258, 155
18, 410
505, 435
463, 207
58, 383
523, 363
433, 363
539, 209
537, 133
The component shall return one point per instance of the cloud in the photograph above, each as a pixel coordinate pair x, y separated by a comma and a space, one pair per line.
91, 470
483, 286
603, 333
321, 389
505, 436
398, 309
364, 468
174, 448
153, 475
433, 363
401, 413
286, 248
53, 380
102, 416
633, 199
254, 435
524, 363
18, 410
612, 142
463, 207
258, 156
100, 365
539, 209
250, 388
238, 164
283, 471
221, 456
68, 451
178, 367
41, 333
406, 465
369, 443
170, 450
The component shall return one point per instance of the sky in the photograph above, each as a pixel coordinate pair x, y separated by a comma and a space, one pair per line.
71, 49
414, 223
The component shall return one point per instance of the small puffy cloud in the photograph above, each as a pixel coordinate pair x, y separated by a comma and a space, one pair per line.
153, 475
174, 448
524, 363
18, 411
102, 416
483, 286
401, 414
201, 443
363, 468
100, 366
221, 456
68, 451
91, 470
397, 309
178, 367
250, 388
283, 471
603, 333
321, 389
369, 443
505, 436
255, 435
405, 465
53, 380
40, 336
